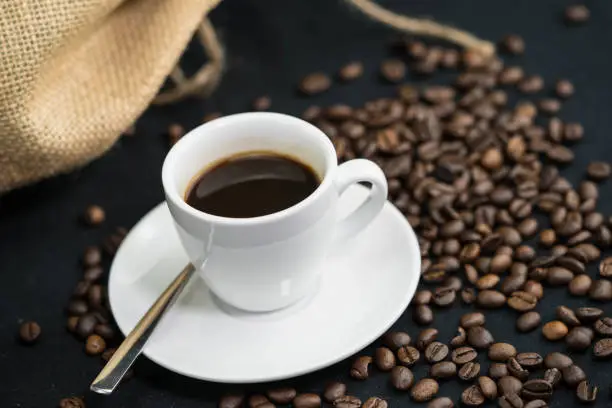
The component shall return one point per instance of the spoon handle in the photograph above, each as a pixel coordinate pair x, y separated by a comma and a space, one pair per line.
130, 349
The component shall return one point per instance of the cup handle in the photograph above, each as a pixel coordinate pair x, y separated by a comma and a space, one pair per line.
355, 171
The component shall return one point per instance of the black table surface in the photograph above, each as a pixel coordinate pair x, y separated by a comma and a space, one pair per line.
270, 45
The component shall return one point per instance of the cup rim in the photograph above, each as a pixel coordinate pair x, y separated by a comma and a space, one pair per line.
168, 167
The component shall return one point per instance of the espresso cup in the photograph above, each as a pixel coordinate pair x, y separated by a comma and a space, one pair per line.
268, 262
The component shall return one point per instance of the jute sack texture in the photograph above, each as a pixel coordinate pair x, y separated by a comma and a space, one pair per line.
75, 73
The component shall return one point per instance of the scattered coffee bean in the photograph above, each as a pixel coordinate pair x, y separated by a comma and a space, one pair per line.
536, 404
602, 349
359, 369
460, 339
531, 84
443, 370
175, 132
567, 316
375, 402
511, 401
94, 215
259, 401
577, 14
573, 375
92, 256
29, 332
393, 70
472, 396
394, 340
93, 273
463, 355
469, 371
554, 330
347, 401
603, 326
231, 401
579, 338
72, 402
501, 351
468, 295
601, 290
307, 401
77, 307
513, 44
283, 395
401, 378
333, 391
564, 88
529, 360
421, 297
422, 315
516, 369
498, 370
552, 376
424, 390
586, 393
490, 299
605, 267
426, 337
315, 83
557, 276
408, 355
479, 337
509, 385
557, 360
384, 359
472, 319
262, 103
441, 402
580, 285
94, 345
522, 301
488, 387
537, 389
599, 170
588, 315
436, 352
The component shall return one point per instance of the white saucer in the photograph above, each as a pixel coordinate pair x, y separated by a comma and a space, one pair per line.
366, 285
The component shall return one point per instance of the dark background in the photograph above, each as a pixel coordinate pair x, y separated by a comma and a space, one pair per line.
270, 45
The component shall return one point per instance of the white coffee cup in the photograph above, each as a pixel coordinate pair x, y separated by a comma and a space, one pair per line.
268, 262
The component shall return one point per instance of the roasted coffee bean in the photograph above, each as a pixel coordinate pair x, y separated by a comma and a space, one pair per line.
588, 315
71, 323
573, 375
93, 273
351, 71
453, 282
603, 326
92, 256
441, 402
396, 339
306, 401
283, 395
81, 289
490, 299
529, 360
468, 296
470, 252
86, 325
577, 14
424, 390
513, 282
94, 215
460, 338
95, 296
571, 263
522, 301
549, 105
564, 88
567, 316
487, 387
436, 352
524, 253
72, 402
531, 84
259, 401
472, 319
426, 337
29, 332
408, 355
536, 404
509, 385
175, 132
554, 330
579, 338
443, 369
498, 370
472, 397
231, 401
479, 337
534, 288
94, 345
557, 276
548, 237
315, 83
375, 402
333, 391
500, 263
537, 389
513, 44
538, 274
401, 378
444, 296
586, 393
105, 331
359, 369
422, 315
262, 103
601, 290
501, 351
603, 348
347, 401
384, 359
421, 297
463, 355
511, 401
469, 371
552, 376
557, 360
593, 221
393, 70
528, 321
77, 307
516, 369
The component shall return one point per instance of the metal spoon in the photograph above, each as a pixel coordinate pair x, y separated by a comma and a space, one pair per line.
130, 349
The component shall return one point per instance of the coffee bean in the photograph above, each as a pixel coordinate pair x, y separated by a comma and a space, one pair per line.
333, 391
554, 330
463, 355
283, 395
528, 321
601, 290
315, 83
86, 325
95, 296
444, 296
262, 103
393, 70
71, 323
564, 88
436, 352
401, 378
351, 71
175, 132
603, 348
396, 339
93, 273
516, 369
514, 282
307, 401
453, 282
593, 221
77, 307
548, 237
468, 296
586, 393
557, 276
259, 401
422, 315
605, 267
498, 370
441, 402
347, 401
479, 337
359, 369
408, 355
384, 359
105, 331
552, 376
573, 375
72, 402
500, 263
529, 360
603, 326
577, 14
472, 319
29, 332
443, 369
375, 402
424, 390
231, 401
511, 401
472, 396
534, 288
522, 301
94, 215
501, 351
567, 316
588, 315
509, 385
536, 404
579, 338
557, 360
426, 337
94, 345
469, 371
421, 297
513, 44
92, 256
537, 389
460, 338
490, 299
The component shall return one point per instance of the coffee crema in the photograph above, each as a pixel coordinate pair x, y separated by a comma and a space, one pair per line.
251, 184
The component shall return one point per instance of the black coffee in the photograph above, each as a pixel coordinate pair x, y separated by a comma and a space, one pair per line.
252, 185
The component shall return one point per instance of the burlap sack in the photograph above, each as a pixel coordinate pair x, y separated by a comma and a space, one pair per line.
75, 73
